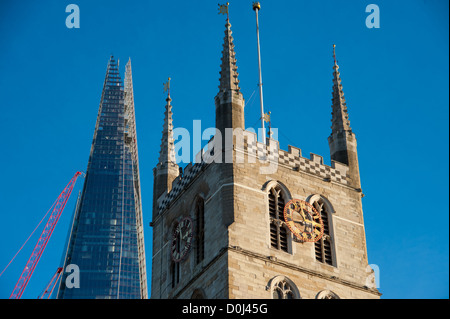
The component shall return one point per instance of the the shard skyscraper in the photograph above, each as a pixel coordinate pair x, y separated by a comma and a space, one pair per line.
106, 239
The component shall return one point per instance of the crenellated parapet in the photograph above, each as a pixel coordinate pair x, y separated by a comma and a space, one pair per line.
337, 172
249, 151
292, 159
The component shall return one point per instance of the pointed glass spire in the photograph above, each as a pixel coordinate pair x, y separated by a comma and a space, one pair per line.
129, 81
340, 121
130, 124
112, 73
131, 148
106, 240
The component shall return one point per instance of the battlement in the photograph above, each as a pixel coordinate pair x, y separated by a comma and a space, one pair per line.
292, 158
265, 155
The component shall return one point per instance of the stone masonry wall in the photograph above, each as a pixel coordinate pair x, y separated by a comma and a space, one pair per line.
239, 260
251, 233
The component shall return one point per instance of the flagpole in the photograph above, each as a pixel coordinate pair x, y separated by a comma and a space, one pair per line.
257, 7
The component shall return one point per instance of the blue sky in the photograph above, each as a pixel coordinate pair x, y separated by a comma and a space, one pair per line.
395, 80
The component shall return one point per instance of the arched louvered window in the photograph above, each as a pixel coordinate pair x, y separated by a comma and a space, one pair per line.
278, 229
323, 247
200, 230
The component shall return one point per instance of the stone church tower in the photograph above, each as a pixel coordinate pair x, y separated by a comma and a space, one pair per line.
218, 225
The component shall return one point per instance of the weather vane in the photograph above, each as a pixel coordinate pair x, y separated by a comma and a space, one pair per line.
167, 86
223, 9
267, 119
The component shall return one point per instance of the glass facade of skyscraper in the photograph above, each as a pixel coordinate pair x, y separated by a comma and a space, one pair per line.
106, 239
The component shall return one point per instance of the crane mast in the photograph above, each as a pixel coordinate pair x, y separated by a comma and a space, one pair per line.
47, 292
58, 208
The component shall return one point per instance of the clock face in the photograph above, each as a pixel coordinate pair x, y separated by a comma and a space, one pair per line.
182, 239
303, 220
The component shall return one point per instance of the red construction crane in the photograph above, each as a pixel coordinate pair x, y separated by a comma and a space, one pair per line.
47, 292
58, 207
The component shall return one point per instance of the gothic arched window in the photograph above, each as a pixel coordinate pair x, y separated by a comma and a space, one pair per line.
327, 294
323, 247
200, 230
282, 291
278, 229
282, 287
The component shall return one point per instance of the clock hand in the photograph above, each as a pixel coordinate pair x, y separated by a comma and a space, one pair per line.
316, 224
